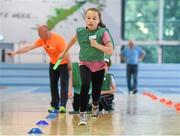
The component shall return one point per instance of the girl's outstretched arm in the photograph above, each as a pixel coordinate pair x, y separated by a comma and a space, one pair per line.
71, 43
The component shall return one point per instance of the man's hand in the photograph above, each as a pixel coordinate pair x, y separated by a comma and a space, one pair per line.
11, 53
140, 59
70, 94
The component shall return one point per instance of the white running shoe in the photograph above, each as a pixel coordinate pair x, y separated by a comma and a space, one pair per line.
83, 119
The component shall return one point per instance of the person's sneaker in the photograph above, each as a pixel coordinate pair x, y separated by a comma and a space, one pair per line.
135, 91
83, 119
112, 107
52, 109
95, 111
130, 92
62, 109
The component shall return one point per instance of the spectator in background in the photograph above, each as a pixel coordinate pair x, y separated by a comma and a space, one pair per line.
132, 56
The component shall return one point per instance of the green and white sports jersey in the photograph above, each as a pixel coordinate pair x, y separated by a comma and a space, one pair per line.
108, 81
87, 52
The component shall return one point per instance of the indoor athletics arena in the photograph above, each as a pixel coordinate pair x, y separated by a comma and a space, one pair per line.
144, 75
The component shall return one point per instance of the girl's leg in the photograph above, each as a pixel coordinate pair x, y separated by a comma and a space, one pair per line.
85, 74
97, 81
76, 102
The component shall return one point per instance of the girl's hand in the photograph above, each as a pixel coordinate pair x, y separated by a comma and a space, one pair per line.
61, 56
93, 42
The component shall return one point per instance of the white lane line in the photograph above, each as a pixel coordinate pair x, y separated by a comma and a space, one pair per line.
154, 91
16, 95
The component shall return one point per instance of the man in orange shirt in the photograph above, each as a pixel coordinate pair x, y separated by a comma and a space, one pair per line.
53, 45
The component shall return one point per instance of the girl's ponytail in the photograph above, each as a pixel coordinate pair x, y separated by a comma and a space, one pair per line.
101, 24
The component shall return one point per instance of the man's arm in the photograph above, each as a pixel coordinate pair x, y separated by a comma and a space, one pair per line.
141, 57
123, 55
71, 43
122, 58
25, 49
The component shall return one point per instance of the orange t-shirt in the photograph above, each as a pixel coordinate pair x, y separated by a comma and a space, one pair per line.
53, 47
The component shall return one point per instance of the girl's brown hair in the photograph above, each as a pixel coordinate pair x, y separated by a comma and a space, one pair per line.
101, 24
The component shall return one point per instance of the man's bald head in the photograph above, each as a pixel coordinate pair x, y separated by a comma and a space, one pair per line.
44, 32
42, 26
131, 43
